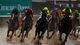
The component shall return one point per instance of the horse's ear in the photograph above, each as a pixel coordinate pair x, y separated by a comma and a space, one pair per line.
51, 11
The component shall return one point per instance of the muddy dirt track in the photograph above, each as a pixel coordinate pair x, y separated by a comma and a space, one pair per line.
30, 40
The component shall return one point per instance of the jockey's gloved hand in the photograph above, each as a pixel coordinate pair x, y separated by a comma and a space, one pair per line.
24, 18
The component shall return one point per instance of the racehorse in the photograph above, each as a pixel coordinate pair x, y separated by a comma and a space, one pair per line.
65, 26
53, 23
13, 25
41, 26
26, 27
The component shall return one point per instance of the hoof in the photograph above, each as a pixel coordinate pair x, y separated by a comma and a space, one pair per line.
22, 40
18, 36
34, 38
14, 34
7, 35
63, 43
60, 39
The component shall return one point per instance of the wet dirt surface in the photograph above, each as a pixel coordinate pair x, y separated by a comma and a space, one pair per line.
30, 40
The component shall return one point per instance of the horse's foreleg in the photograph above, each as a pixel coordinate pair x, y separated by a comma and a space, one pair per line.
22, 38
43, 31
8, 33
74, 33
19, 34
47, 34
26, 33
52, 34
12, 34
36, 33
15, 33
78, 34
66, 38
60, 38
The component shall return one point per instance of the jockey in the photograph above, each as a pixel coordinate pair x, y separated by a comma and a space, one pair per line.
15, 12
14, 16
43, 15
28, 11
67, 10
76, 14
44, 12
45, 9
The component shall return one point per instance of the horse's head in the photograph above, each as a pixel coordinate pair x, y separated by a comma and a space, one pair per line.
54, 13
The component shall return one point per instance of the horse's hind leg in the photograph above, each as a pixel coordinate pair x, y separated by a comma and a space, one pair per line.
22, 38
27, 32
20, 32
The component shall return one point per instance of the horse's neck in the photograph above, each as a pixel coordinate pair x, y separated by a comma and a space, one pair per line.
54, 17
68, 19
14, 16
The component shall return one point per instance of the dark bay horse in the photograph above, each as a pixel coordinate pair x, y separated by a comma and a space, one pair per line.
26, 27
53, 23
41, 26
65, 26
13, 25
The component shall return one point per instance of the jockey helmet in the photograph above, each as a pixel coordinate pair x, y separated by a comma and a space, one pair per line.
28, 9
15, 10
76, 12
45, 8
67, 7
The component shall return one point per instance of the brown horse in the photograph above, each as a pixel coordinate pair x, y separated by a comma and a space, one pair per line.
53, 23
12, 25
26, 27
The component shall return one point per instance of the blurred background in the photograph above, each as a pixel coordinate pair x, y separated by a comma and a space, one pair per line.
6, 6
